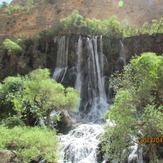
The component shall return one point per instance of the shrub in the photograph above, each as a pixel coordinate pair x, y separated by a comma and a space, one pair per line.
30, 143
17, 7
5, 5
11, 46
13, 121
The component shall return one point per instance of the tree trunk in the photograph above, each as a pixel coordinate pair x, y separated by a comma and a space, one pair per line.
48, 120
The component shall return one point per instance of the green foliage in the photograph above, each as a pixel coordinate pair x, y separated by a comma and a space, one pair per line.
48, 95
8, 11
13, 121
11, 47
72, 22
30, 143
35, 94
111, 27
137, 107
17, 7
30, 2
5, 5
49, 1
75, 23
156, 26
11, 89
9, 8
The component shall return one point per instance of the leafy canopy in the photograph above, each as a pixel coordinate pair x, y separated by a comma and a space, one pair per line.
36, 94
137, 109
76, 24
11, 46
11, 89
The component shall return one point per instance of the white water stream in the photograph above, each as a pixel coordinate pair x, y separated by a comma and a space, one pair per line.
81, 144
62, 59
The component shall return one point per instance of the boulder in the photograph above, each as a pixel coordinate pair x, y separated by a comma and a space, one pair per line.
66, 123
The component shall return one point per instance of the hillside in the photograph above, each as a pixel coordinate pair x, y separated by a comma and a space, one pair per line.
43, 15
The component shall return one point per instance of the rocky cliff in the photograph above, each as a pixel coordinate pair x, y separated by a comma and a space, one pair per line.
43, 53
47, 14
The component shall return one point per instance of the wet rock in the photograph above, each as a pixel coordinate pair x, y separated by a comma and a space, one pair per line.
66, 123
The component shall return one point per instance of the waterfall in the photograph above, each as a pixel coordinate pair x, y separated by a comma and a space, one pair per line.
122, 53
96, 89
136, 154
62, 58
80, 145
79, 60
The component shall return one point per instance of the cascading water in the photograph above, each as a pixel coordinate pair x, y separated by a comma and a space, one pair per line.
94, 85
80, 145
62, 58
122, 53
79, 60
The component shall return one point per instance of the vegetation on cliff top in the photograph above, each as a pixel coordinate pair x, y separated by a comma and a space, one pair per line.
76, 24
25, 6
11, 47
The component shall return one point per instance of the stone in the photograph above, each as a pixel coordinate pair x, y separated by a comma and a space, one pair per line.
7, 156
66, 123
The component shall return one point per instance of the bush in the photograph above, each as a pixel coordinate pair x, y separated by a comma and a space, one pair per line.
30, 143
5, 4
17, 7
137, 109
11, 88
11, 46
13, 121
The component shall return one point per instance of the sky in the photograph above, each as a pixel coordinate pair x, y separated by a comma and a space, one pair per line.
8, 1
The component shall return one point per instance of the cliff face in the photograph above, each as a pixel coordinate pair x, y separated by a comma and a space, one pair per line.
43, 53
45, 15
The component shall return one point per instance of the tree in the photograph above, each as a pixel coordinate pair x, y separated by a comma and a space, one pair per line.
137, 109
48, 95
11, 89
12, 112
73, 22
5, 4
35, 94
